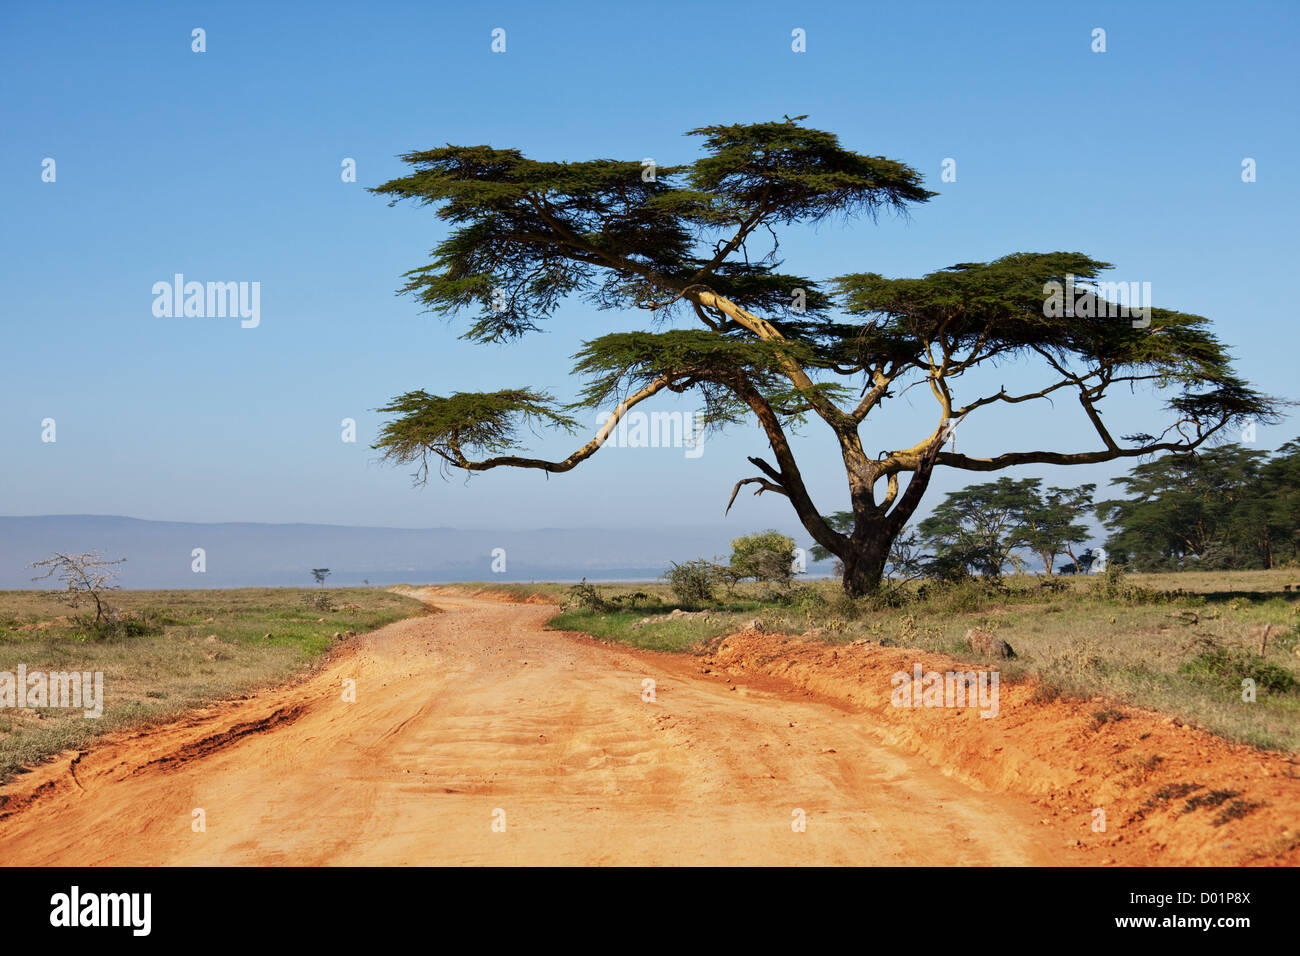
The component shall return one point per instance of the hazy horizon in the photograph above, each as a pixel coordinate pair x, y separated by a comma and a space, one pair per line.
160, 554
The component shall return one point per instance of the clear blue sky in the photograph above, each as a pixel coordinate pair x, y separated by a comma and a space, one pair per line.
225, 165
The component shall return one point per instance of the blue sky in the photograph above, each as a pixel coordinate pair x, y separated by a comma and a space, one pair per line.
225, 166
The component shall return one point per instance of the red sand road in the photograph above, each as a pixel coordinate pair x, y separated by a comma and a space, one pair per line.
478, 710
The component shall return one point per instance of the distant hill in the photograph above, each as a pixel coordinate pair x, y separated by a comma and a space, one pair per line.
249, 554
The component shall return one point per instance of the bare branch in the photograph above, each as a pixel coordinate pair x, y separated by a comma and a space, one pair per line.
764, 485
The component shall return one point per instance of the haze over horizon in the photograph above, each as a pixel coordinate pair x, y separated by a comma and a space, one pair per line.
160, 554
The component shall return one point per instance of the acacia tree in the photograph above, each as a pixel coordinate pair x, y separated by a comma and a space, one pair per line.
1280, 537
84, 577
1219, 509
981, 526
684, 242
766, 556
1049, 524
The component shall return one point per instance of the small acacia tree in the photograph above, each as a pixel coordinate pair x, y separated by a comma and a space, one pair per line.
979, 527
767, 556
683, 242
1050, 523
320, 574
85, 576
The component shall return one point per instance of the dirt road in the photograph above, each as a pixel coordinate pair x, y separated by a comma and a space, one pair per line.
478, 716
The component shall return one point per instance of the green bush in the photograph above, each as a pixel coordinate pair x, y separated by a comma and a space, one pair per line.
693, 581
585, 596
767, 556
1114, 584
960, 596
1231, 666
118, 624
634, 601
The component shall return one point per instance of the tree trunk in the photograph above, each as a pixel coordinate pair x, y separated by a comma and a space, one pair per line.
864, 567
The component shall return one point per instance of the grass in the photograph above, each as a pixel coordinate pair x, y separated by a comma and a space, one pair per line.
1178, 643
173, 651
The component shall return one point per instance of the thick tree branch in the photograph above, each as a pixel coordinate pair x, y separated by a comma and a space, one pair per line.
1011, 459
581, 455
763, 485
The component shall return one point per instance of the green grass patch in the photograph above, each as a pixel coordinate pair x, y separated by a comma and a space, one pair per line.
662, 634
171, 651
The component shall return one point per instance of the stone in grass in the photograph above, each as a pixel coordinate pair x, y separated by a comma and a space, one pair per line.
982, 642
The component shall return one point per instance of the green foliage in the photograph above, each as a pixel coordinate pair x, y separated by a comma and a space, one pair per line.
634, 601
1000, 302
467, 423
1114, 584
997, 309
585, 596
979, 528
529, 233
1230, 666
767, 556
1049, 523
693, 582
802, 173
961, 596
623, 362
115, 624
958, 562
1227, 508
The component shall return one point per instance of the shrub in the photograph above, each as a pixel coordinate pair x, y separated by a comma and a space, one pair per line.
692, 581
1114, 584
585, 596
114, 624
961, 596
1232, 666
767, 556
1111, 583
320, 601
633, 601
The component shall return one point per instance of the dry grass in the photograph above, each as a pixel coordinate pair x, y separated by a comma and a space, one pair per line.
197, 647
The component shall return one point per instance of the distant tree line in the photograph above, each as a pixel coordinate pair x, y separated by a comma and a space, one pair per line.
1231, 508
987, 529
1227, 508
